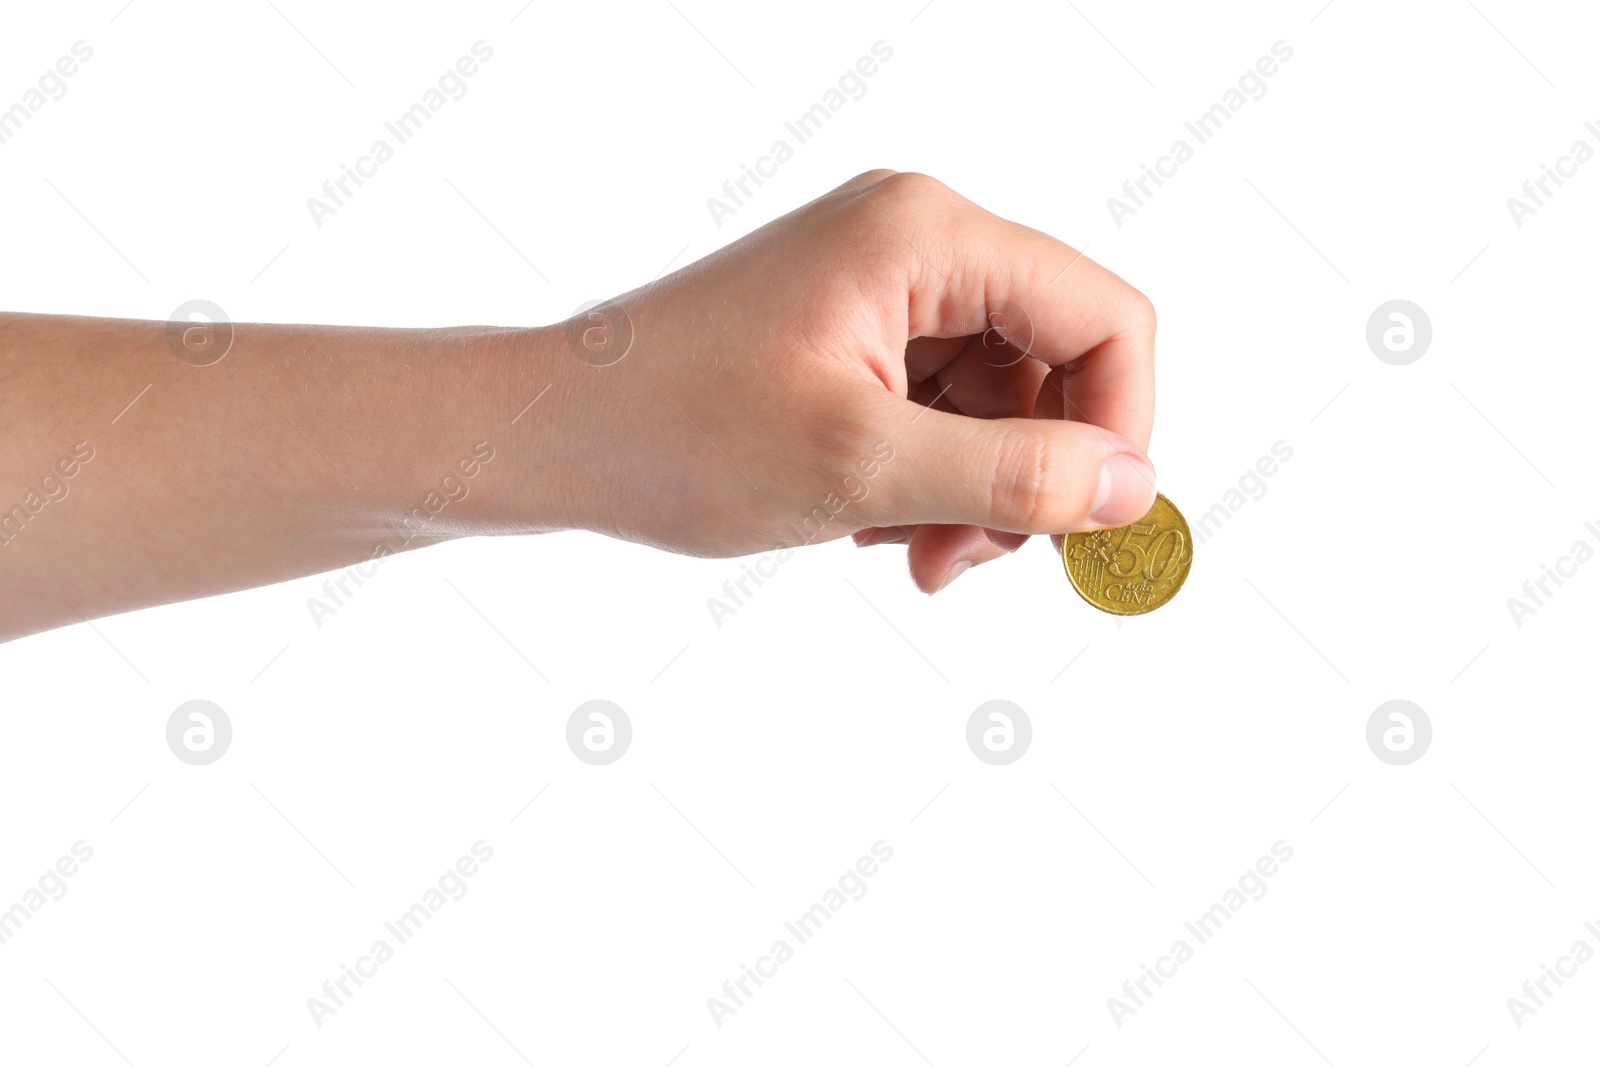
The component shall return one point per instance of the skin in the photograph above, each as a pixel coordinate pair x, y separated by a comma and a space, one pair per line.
1009, 378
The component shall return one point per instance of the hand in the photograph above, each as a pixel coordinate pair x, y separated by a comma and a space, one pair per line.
889, 361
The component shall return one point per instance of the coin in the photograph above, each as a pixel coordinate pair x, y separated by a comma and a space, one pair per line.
1132, 569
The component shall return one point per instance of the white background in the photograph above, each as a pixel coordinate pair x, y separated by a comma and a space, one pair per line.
830, 711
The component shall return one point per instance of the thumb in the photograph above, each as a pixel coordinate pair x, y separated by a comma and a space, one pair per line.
1030, 476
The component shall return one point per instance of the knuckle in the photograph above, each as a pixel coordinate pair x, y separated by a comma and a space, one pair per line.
869, 177
1024, 491
911, 188
900, 219
1142, 313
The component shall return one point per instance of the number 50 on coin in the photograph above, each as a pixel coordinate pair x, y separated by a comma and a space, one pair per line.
1133, 569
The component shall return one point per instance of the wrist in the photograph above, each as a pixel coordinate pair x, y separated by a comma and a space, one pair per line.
513, 467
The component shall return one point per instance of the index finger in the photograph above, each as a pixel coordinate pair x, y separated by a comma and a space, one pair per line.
973, 269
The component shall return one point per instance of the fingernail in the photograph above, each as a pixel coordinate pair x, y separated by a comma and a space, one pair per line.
1127, 489
957, 569
888, 535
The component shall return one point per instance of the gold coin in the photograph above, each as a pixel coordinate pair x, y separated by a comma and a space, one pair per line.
1135, 568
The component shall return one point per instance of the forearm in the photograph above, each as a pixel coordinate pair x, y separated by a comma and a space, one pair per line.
890, 359
130, 477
